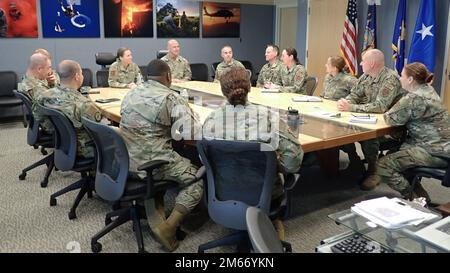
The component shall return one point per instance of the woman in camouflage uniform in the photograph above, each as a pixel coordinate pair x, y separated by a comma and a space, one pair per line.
123, 73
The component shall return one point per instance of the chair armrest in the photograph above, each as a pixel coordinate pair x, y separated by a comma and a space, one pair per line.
291, 180
151, 165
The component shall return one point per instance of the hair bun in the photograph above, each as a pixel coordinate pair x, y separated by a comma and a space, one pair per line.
429, 78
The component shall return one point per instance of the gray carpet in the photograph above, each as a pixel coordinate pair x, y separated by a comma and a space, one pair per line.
29, 224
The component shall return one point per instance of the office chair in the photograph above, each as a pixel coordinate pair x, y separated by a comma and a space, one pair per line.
199, 72
8, 80
104, 59
161, 53
310, 84
249, 66
144, 73
102, 78
87, 74
66, 159
36, 137
239, 175
262, 234
214, 67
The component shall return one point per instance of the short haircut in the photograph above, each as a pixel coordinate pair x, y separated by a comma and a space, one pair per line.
121, 51
43, 51
275, 47
37, 60
157, 68
225, 46
67, 69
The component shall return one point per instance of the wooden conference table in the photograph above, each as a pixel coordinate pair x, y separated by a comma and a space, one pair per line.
319, 133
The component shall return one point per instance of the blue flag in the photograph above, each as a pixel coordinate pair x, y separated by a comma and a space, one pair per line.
370, 34
398, 40
423, 41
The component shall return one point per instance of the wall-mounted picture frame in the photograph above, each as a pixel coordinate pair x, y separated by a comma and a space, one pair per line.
220, 20
177, 18
18, 19
128, 18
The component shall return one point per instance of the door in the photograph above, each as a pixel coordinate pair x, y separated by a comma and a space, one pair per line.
325, 27
288, 27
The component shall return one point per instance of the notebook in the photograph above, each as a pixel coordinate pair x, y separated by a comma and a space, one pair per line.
437, 233
368, 119
270, 90
306, 99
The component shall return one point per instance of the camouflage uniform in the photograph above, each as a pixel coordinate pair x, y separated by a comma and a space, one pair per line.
179, 68
339, 86
293, 80
32, 88
223, 67
74, 105
120, 77
270, 73
428, 125
148, 115
3, 24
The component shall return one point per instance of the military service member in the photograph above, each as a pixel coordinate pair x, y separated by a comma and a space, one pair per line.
270, 72
53, 77
375, 92
293, 75
148, 114
179, 66
338, 82
428, 125
227, 63
123, 73
69, 101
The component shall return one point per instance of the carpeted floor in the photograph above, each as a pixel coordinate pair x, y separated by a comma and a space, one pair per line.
29, 224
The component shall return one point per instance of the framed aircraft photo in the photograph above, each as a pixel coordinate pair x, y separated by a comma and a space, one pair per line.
70, 19
177, 18
18, 19
220, 19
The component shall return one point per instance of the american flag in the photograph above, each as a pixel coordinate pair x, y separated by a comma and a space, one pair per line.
349, 38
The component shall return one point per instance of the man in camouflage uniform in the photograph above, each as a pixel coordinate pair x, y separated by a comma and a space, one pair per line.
67, 99
150, 114
34, 83
3, 24
375, 92
179, 66
52, 79
227, 63
270, 72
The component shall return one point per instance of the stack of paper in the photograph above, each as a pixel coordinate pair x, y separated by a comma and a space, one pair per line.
391, 213
370, 119
306, 99
270, 90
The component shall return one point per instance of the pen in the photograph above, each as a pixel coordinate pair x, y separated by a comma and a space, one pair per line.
368, 116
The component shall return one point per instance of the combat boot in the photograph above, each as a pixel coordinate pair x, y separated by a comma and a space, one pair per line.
279, 227
370, 183
165, 233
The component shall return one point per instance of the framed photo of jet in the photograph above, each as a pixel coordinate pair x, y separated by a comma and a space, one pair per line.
70, 18
177, 18
128, 18
220, 19
18, 19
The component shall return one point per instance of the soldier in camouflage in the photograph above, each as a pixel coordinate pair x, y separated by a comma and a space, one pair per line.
428, 124
123, 73
375, 92
150, 114
179, 66
338, 82
67, 99
52, 79
3, 24
270, 72
292, 74
227, 63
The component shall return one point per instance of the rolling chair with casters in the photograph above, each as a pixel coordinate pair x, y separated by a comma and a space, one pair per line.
102, 78
161, 53
66, 159
262, 234
199, 72
239, 175
36, 137
112, 181
311, 85
87, 74
105, 59
8, 80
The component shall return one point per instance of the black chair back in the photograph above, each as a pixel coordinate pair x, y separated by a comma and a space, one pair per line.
310, 85
143, 69
102, 78
87, 74
33, 126
248, 65
104, 59
199, 72
161, 53
112, 160
8, 80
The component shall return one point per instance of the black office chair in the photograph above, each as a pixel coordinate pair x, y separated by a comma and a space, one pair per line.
113, 184
161, 53
310, 85
214, 67
262, 234
36, 137
105, 59
8, 80
66, 158
87, 74
102, 78
143, 69
199, 72
239, 175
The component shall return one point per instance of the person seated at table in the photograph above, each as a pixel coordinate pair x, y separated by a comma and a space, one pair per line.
67, 99
428, 125
270, 72
179, 66
247, 121
228, 62
123, 73
338, 82
52, 77
148, 114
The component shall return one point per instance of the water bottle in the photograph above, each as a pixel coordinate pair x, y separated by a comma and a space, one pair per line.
293, 121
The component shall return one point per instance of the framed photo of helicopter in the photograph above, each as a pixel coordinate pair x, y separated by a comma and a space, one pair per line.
70, 19
220, 20
18, 19
177, 18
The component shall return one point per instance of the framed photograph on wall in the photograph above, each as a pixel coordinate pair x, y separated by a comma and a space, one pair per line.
18, 19
177, 18
220, 19
70, 18
128, 18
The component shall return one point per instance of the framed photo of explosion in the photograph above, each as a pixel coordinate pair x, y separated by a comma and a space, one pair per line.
177, 18
220, 20
70, 19
128, 18
18, 19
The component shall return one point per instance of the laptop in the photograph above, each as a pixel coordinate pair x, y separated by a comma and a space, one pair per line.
437, 233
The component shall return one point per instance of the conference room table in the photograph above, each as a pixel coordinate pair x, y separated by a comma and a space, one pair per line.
322, 131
